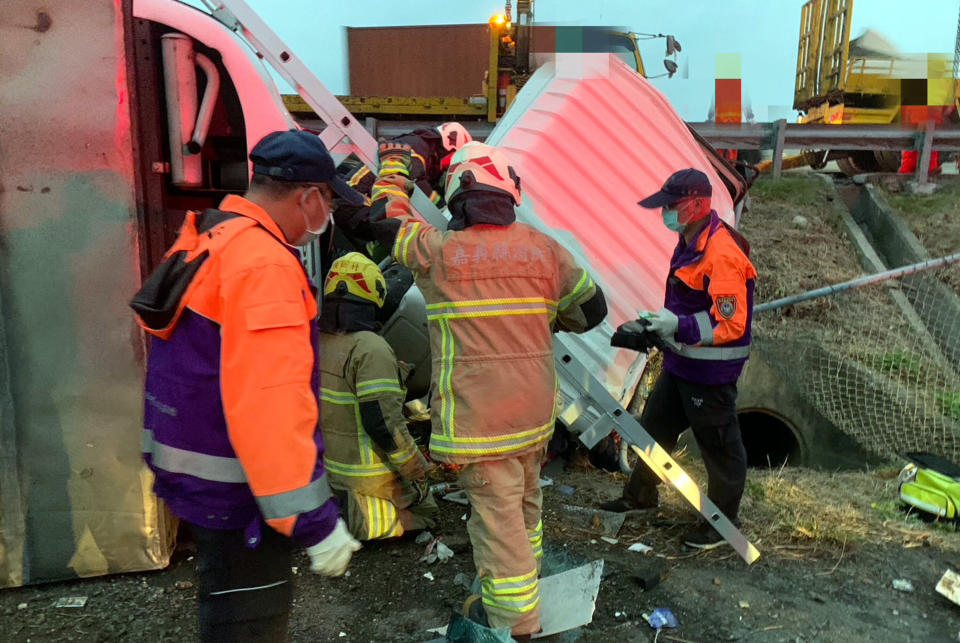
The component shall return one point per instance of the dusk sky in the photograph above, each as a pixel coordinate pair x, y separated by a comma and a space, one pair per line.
764, 32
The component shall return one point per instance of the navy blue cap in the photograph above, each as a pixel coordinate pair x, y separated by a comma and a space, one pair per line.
680, 185
300, 156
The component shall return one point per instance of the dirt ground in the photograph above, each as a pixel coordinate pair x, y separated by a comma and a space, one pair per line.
831, 543
829, 557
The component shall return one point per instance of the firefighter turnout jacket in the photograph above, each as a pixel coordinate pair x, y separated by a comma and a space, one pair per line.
368, 448
230, 416
710, 289
494, 294
427, 154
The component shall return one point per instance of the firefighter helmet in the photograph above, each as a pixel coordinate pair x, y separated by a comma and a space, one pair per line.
355, 277
454, 136
477, 166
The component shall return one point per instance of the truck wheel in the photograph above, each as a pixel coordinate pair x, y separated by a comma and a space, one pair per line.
887, 160
860, 162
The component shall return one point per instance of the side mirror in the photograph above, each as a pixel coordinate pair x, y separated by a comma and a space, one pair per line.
673, 46
671, 67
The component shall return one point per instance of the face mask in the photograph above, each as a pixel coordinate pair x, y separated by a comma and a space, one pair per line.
327, 211
671, 220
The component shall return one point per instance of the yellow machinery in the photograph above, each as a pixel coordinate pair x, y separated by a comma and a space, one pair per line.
840, 82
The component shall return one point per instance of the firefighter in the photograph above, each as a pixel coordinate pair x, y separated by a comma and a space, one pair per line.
495, 291
705, 324
231, 427
374, 465
430, 150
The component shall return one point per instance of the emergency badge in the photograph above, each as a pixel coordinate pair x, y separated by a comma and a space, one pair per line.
727, 306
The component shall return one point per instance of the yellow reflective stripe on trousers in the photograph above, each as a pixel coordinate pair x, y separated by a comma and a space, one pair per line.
383, 521
535, 536
510, 594
489, 445
490, 308
445, 386
402, 243
584, 284
372, 387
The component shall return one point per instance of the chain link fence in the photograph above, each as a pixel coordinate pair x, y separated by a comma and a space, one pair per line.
880, 361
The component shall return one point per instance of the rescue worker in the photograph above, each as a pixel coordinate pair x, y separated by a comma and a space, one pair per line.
495, 291
431, 150
705, 323
374, 465
231, 427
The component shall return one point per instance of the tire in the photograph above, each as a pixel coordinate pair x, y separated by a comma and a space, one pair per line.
859, 162
887, 160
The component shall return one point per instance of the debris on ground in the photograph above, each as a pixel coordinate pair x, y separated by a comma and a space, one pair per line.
608, 540
423, 537
949, 586
428, 576
568, 599
546, 482
902, 585
595, 521
744, 605
661, 617
71, 601
459, 497
640, 547
436, 551
565, 489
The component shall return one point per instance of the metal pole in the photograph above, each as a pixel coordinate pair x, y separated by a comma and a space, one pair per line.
781, 134
856, 283
923, 165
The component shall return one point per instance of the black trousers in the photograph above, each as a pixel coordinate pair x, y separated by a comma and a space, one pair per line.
244, 594
711, 411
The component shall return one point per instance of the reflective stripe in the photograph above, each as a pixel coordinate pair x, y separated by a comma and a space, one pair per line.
493, 444
337, 397
490, 308
400, 247
383, 520
717, 353
358, 175
516, 583
371, 387
378, 192
705, 328
584, 284
445, 387
535, 536
295, 502
402, 456
356, 470
248, 589
199, 465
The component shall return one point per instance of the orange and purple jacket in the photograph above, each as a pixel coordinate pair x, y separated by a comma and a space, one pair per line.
231, 425
710, 289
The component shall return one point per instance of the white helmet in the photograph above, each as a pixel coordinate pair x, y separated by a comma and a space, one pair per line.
454, 136
477, 166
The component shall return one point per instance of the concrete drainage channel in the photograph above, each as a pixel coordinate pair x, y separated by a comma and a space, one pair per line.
781, 424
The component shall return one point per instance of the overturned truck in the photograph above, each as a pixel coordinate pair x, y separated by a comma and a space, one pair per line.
159, 104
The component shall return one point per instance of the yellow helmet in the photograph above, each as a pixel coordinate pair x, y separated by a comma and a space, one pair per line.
354, 276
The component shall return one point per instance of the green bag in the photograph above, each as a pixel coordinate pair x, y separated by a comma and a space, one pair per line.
932, 486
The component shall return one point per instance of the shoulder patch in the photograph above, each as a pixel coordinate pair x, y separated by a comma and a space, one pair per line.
727, 306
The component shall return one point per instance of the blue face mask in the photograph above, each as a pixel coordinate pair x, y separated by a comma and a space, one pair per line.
671, 220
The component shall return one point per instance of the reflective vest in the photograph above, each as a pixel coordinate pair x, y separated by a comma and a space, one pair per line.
230, 413
368, 446
494, 296
710, 289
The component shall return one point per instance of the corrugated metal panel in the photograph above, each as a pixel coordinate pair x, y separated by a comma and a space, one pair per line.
589, 138
440, 60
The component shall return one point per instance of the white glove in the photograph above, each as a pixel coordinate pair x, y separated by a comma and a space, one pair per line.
663, 323
330, 556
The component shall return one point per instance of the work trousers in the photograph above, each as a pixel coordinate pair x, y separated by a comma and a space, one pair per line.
374, 518
507, 537
244, 594
711, 412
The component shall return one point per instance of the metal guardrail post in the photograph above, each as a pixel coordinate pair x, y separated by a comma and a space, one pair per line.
780, 135
923, 164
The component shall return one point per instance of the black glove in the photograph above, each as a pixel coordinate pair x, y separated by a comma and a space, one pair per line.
636, 336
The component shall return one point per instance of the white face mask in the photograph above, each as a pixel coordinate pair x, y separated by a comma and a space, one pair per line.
312, 231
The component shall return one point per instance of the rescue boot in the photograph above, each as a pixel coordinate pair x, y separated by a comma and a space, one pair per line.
473, 609
704, 536
646, 498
